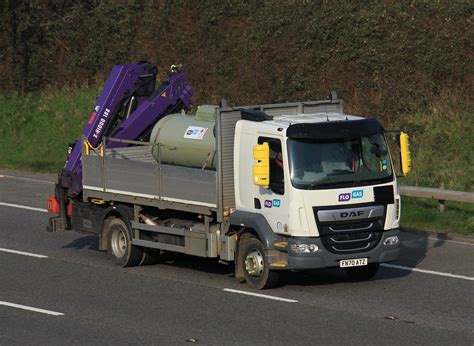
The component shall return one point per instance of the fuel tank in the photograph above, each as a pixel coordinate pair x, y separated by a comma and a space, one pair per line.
186, 140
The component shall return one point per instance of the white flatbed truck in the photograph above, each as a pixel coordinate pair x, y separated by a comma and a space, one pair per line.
276, 187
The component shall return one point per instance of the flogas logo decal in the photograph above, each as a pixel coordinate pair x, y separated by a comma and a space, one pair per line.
345, 197
272, 203
195, 132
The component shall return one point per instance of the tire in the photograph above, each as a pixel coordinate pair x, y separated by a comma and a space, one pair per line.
150, 256
363, 273
119, 244
254, 264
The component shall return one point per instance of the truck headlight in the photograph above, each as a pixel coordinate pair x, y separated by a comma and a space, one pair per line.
391, 241
304, 248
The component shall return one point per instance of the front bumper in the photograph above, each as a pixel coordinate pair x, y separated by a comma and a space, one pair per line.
325, 259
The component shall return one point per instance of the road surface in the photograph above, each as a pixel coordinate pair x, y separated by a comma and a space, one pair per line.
57, 288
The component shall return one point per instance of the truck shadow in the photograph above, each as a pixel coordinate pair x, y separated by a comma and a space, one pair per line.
414, 248
207, 265
90, 242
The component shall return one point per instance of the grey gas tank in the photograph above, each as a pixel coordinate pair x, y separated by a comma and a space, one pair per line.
186, 140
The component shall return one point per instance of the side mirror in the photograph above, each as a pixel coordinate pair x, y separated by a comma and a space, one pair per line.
261, 167
405, 154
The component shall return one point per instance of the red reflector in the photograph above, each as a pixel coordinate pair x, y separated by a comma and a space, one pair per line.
69, 209
53, 205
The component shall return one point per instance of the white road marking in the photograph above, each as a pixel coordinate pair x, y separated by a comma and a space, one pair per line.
449, 275
260, 295
23, 253
23, 207
439, 239
26, 179
452, 241
30, 308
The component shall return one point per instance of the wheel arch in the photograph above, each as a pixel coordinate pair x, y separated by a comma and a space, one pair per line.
122, 211
256, 224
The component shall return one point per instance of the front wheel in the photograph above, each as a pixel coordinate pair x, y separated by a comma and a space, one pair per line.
119, 244
255, 266
363, 273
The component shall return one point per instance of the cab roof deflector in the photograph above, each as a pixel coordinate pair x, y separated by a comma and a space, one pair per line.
335, 129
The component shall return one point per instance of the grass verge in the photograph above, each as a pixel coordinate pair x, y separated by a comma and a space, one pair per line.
423, 213
35, 129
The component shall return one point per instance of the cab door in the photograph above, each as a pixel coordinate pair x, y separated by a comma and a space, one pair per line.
272, 201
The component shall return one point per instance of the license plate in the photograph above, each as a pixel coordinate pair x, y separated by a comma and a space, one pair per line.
357, 262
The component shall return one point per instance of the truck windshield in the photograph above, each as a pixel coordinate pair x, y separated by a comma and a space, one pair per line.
316, 164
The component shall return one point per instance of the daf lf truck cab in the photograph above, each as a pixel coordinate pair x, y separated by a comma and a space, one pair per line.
324, 186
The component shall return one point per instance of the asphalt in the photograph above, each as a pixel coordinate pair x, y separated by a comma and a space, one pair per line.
182, 299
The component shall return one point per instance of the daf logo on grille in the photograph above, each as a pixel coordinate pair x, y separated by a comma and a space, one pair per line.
353, 213
346, 214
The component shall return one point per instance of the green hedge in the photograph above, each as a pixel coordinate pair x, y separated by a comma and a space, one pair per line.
408, 63
384, 57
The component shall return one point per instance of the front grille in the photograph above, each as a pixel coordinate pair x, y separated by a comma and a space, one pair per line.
355, 226
350, 236
351, 227
346, 243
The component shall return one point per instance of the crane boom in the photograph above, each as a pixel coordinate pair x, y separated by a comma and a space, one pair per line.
127, 108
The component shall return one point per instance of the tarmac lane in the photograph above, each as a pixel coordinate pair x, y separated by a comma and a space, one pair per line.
57, 287
102, 305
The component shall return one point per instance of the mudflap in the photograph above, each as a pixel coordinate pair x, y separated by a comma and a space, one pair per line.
59, 204
57, 224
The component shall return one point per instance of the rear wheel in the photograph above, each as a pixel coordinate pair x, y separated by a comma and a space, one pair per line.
363, 273
119, 244
150, 256
255, 266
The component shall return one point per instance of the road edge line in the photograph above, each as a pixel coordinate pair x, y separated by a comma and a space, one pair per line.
22, 253
30, 308
27, 179
12, 205
260, 295
425, 271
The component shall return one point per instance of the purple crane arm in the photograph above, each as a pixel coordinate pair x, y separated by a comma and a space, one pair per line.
177, 92
123, 81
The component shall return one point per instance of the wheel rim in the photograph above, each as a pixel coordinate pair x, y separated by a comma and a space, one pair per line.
119, 243
254, 263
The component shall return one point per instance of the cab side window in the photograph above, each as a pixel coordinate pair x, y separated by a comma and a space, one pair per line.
277, 178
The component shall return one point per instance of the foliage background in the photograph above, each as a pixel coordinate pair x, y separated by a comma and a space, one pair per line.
409, 63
